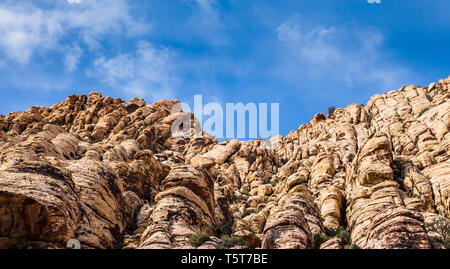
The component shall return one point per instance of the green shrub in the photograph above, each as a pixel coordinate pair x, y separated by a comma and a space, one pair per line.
352, 246
341, 233
235, 200
248, 212
446, 243
224, 229
251, 159
242, 197
319, 239
274, 182
92, 139
331, 110
230, 161
423, 111
198, 239
231, 241
376, 182
442, 227
244, 193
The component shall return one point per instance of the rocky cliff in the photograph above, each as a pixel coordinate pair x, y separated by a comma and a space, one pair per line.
111, 175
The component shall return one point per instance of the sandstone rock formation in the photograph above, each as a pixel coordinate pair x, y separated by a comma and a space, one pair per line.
113, 174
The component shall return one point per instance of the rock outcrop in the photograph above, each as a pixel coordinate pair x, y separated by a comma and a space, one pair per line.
116, 174
185, 205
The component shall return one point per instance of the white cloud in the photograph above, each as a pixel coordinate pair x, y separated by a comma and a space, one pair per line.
338, 53
149, 71
206, 6
206, 22
26, 28
72, 57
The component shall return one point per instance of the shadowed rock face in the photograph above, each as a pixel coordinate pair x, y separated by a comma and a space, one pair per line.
111, 175
77, 171
377, 215
334, 243
185, 205
397, 228
38, 201
287, 229
293, 222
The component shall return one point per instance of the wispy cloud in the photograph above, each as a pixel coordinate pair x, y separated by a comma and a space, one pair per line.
24, 28
346, 54
72, 57
148, 72
206, 22
27, 28
210, 13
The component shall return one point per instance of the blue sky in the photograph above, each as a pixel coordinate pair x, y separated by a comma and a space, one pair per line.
304, 55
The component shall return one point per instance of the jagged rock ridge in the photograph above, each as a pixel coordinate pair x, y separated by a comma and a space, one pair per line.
111, 175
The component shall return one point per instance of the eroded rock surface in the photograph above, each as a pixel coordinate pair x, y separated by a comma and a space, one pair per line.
113, 174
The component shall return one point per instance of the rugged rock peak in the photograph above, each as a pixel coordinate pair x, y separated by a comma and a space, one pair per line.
111, 174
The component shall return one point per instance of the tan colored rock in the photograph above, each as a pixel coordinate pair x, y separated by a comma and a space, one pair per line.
440, 183
112, 174
265, 190
377, 214
103, 204
297, 179
189, 191
287, 229
397, 228
37, 207
331, 201
334, 243
220, 153
375, 160
202, 162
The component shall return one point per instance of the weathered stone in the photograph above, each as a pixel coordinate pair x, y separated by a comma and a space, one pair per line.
287, 229
112, 174
334, 243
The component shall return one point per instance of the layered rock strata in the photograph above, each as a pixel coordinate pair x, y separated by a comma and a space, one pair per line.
115, 174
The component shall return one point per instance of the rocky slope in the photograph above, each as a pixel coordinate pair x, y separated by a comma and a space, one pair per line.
111, 175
